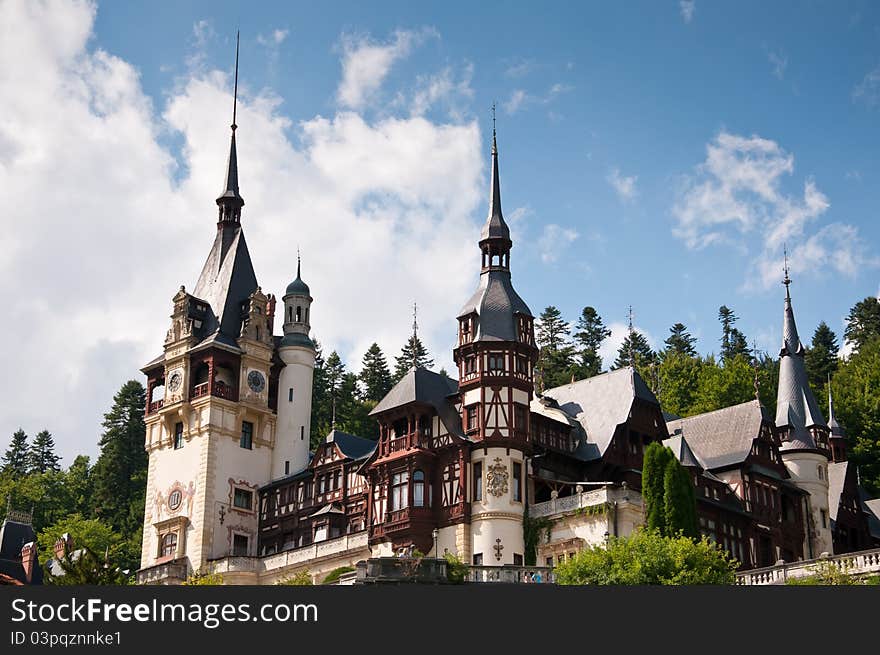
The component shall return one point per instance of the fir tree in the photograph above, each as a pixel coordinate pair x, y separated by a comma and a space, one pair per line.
41, 455
78, 484
413, 354
680, 341
15, 461
321, 400
863, 322
589, 335
733, 342
375, 378
821, 357
120, 473
634, 351
556, 363
654, 463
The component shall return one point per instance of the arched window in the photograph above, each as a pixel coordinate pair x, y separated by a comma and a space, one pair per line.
169, 544
418, 488
298, 313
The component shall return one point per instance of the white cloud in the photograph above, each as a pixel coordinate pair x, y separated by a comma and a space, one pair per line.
868, 90
520, 99
443, 88
687, 9
553, 240
736, 194
106, 227
624, 186
519, 68
366, 63
779, 62
274, 38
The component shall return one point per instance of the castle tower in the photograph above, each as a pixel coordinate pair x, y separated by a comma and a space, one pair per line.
496, 355
295, 383
837, 437
803, 432
210, 418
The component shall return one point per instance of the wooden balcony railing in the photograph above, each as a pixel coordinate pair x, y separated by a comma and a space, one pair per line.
220, 390
155, 406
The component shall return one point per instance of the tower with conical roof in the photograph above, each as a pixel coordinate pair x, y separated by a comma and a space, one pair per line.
496, 356
803, 430
837, 436
297, 351
211, 419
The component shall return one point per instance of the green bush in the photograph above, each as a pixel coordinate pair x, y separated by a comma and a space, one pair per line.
456, 570
333, 576
827, 573
301, 578
201, 579
648, 558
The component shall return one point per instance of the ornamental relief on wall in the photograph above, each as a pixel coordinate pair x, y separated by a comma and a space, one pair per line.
496, 478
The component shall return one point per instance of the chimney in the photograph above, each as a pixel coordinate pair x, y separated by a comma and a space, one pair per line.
28, 559
63, 545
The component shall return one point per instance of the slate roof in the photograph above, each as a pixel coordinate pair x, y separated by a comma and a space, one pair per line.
833, 425
13, 536
723, 437
682, 451
796, 407
599, 404
424, 386
837, 472
496, 304
352, 446
872, 509
495, 227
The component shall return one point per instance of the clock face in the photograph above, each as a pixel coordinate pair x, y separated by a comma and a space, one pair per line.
256, 381
175, 381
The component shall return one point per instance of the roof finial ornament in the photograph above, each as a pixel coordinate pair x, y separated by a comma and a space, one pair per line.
235, 87
415, 336
298, 261
785, 280
632, 357
755, 367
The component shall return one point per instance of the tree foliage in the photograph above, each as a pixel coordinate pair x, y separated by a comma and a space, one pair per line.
863, 322
648, 558
413, 354
589, 334
15, 460
679, 501
821, 357
375, 378
556, 353
653, 469
680, 342
41, 455
635, 351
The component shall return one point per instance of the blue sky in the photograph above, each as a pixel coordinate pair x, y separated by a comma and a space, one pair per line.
653, 154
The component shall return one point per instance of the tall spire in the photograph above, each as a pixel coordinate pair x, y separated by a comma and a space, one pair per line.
230, 201
796, 408
495, 227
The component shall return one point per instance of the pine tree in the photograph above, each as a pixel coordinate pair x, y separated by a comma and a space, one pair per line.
634, 351
680, 341
321, 400
375, 378
821, 357
41, 455
120, 473
556, 363
78, 484
733, 342
863, 322
412, 354
654, 463
589, 335
15, 461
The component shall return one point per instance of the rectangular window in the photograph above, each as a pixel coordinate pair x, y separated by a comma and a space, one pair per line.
522, 365
290, 395
470, 364
824, 516
478, 559
496, 362
517, 559
247, 435
472, 417
478, 481
287, 467
399, 491
548, 561
302, 433
519, 417
239, 545
517, 482
178, 436
243, 499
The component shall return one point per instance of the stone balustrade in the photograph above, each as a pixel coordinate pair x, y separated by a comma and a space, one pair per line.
860, 563
511, 574
584, 499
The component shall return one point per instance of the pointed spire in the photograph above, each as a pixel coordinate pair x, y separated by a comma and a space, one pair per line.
298, 287
230, 201
833, 425
495, 227
796, 408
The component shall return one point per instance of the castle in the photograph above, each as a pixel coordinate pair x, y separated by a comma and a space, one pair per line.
233, 488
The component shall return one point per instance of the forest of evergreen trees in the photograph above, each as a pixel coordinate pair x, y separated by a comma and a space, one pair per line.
102, 504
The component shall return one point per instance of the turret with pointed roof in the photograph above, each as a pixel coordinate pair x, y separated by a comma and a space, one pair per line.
797, 412
837, 438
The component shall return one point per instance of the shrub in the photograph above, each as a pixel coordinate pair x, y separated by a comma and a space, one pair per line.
456, 570
333, 576
301, 578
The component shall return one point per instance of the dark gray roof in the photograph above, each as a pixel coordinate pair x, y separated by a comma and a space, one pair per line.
13, 536
682, 451
837, 472
872, 509
226, 282
296, 339
496, 304
796, 407
424, 386
495, 227
230, 180
723, 437
833, 425
298, 287
352, 446
599, 404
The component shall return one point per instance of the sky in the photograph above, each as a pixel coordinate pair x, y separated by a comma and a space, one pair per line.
659, 155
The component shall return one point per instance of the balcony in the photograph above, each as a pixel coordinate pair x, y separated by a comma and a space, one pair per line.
155, 406
219, 390
172, 572
584, 499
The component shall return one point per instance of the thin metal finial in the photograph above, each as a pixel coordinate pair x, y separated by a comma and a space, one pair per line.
297, 262
632, 357
755, 366
235, 88
785, 280
493, 120
415, 336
